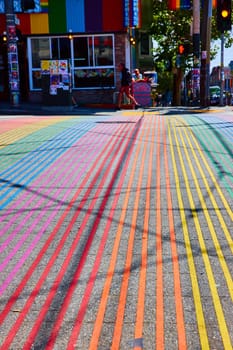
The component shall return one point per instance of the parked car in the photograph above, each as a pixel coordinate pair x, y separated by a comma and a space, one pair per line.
215, 93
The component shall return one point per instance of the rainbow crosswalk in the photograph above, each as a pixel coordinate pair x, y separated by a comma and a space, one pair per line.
116, 232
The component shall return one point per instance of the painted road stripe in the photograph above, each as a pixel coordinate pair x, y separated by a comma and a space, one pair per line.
212, 230
47, 138
220, 193
45, 158
94, 272
144, 258
111, 269
128, 262
11, 136
61, 180
159, 258
182, 345
52, 236
193, 274
64, 267
29, 302
218, 151
32, 143
212, 283
79, 318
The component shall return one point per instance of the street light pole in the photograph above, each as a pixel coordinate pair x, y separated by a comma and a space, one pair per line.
222, 70
12, 52
205, 53
196, 49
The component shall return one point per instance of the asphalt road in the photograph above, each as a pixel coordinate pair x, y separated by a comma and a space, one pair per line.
116, 230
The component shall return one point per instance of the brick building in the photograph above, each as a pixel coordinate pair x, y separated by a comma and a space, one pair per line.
90, 37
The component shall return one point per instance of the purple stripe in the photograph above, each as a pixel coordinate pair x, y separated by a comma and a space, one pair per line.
93, 15
99, 141
185, 4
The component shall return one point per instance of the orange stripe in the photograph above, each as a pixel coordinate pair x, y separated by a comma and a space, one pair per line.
142, 277
104, 298
125, 281
175, 260
159, 258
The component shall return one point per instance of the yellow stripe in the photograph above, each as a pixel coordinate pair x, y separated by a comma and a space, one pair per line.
39, 23
193, 275
216, 300
14, 135
222, 261
221, 195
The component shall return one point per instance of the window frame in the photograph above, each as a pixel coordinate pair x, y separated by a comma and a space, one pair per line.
73, 69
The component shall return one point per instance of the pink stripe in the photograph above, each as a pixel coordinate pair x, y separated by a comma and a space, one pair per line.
63, 268
19, 264
32, 296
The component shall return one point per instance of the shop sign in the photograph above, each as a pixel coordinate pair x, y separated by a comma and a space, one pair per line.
17, 6
132, 13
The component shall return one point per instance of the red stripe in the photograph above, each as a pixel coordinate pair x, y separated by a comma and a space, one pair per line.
39, 257
94, 272
159, 257
65, 265
25, 23
32, 296
110, 22
182, 345
172, 4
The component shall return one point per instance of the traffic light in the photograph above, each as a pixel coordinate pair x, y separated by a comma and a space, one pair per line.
27, 5
181, 49
184, 48
223, 15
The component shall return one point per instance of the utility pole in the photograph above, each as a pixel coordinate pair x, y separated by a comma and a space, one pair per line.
196, 49
222, 70
12, 51
205, 53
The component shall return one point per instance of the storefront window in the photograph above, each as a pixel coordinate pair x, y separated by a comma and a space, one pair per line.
81, 52
40, 50
97, 78
91, 59
103, 51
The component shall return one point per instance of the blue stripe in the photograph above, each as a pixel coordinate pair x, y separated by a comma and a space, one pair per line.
75, 15
47, 155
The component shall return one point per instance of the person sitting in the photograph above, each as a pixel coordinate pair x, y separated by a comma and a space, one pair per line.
137, 76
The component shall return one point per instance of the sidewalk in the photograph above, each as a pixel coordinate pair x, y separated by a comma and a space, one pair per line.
27, 108
38, 109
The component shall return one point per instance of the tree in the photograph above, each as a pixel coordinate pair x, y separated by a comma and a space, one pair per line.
169, 29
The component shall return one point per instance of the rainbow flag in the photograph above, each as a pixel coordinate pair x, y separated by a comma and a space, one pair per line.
185, 4
179, 4
44, 5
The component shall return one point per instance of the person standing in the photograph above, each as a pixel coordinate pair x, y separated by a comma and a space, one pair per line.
126, 80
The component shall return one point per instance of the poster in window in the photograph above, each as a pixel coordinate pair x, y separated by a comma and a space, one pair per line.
14, 66
45, 69
53, 67
63, 67
55, 79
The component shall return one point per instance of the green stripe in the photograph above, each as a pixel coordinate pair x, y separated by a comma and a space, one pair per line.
57, 16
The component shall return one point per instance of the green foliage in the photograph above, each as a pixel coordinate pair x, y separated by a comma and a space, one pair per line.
169, 28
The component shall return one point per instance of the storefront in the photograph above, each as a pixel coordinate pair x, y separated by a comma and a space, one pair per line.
90, 58
92, 45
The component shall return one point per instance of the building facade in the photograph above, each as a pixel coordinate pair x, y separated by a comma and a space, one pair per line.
86, 38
